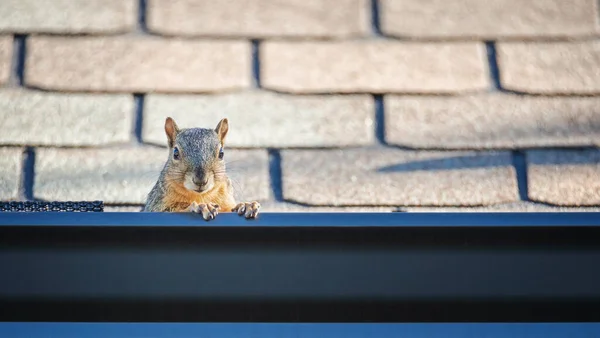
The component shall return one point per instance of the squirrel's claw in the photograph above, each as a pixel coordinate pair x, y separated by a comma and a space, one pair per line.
208, 210
247, 209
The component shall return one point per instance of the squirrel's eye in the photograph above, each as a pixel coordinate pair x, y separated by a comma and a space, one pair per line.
176, 153
221, 154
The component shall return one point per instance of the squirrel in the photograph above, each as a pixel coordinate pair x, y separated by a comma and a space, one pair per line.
194, 178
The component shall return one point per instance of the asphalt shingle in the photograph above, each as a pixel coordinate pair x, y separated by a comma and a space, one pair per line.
260, 18
506, 207
127, 175
273, 206
6, 52
249, 173
264, 119
373, 67
40, 118
491, 121
68, 16
130, 64
10, 168
550, 67
80, 79
564, 177
383, 176
126, 208
489, 19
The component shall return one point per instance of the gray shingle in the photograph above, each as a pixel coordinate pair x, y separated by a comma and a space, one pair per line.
68, 16
260, 18
492, 121
382, 176
10, 172
136, 64
263, 119
369, 66
506, 207
118, 208
40, 118
489, 19
6, 52
271, 206
550, 67
564, 177
126, 175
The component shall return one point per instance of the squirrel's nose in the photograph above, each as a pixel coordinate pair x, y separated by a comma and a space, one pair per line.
200, 181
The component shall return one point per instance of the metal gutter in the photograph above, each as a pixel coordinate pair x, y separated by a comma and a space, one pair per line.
294, 267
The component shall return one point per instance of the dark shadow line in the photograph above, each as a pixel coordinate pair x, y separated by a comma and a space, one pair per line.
275, 174
256, 62
19, 53
375, 18
139, 100
493, 64
142, 12
449, 163
493, 159
27, 174
379, 118
520, 164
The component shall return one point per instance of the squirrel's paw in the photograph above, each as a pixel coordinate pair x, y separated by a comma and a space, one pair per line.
208, 210
247, 209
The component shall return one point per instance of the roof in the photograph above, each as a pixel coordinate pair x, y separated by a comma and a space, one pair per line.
389, 105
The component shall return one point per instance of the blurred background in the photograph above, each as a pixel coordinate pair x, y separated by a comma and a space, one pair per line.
358, 105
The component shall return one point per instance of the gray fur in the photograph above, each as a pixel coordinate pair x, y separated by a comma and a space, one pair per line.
198, 148
154, 200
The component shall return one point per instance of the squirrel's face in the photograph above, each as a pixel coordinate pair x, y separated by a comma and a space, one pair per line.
197, 158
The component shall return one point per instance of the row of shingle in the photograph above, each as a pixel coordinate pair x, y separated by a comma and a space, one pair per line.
266, 119
278, 206
352, 177
134, 64
487, 19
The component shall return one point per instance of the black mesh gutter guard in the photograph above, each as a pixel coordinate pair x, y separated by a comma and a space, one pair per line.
296, 267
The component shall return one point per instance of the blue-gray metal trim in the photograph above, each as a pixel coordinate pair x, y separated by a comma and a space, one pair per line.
300, 267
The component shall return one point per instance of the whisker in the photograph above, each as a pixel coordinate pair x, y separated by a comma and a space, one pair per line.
237, 189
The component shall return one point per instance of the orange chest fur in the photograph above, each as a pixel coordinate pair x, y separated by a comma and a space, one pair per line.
178, 198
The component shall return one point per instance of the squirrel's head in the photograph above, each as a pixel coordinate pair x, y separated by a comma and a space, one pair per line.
196, 156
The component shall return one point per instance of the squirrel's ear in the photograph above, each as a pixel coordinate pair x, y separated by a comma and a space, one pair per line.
171, 129
222, 129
